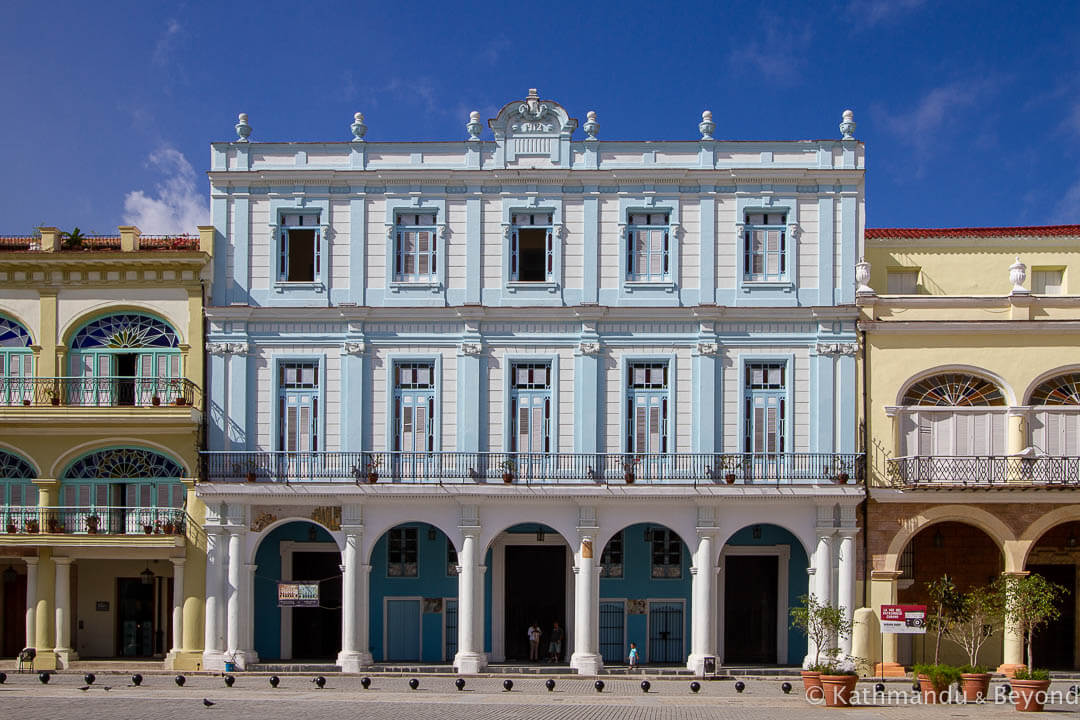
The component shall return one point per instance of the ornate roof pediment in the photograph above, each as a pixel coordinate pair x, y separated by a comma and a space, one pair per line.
532, 118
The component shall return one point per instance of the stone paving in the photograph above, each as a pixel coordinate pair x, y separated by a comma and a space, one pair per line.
390, 698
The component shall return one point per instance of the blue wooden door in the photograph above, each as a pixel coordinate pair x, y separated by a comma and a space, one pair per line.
403, 630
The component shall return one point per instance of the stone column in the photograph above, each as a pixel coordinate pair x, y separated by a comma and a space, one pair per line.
1013, 650
823, 572
247, 634
215, 589
353, 656
845, 584
363, 613
45, 617
177, 605
586, 660
470, 655
31, 601
63, 650
703, 627
234, 602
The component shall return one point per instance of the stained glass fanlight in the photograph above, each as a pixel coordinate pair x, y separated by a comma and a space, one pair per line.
954, 390
125, 330
1060, 390
123, 463
13, 467
12, 334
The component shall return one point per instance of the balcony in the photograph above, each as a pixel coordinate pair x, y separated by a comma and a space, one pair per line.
532, 468
129, 521
85, 392
989, 471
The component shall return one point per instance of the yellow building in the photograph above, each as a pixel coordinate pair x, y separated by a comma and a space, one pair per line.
101, 410
972, 419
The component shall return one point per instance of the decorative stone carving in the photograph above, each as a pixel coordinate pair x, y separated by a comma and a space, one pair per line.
862, 278
355, 347
506, 231
837, 349
532, 113
561, 232
359, 129
794, 231
471, 348
243, 130
847, 126
221, 348
622, 231
706, 126
443, 230
473, 127
589, 348
591, 127
1017, 275
676, 230
328, 516
389, 232
262, 521
708, 348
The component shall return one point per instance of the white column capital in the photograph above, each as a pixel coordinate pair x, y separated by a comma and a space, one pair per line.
63, 560
178, 562
31, 562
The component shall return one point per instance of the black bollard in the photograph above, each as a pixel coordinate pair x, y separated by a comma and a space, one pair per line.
550, 684
508, 684
274, 680
229, 680
43, 677
136, 679
695, 686
365, 682
320, 682
739, 686
786, 687
599, 685
645, 685
3, 678
414, 683
89, 678
879, 687
460, 684
180, 680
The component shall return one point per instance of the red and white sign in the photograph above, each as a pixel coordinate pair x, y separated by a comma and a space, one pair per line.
910, 619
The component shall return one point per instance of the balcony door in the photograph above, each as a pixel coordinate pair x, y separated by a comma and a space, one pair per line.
414, 419
647, 403
764, 418
530, 418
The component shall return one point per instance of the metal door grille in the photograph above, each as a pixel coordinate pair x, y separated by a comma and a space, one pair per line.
665, 632
612, 622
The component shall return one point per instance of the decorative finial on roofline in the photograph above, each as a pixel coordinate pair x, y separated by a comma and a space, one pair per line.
847, 126
358, 128
243, 130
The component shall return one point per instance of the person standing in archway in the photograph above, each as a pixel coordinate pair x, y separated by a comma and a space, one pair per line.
555, 642
534, 641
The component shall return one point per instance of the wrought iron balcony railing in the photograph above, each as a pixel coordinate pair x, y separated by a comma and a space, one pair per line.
110, 520
98, 391
532, 468
969, 470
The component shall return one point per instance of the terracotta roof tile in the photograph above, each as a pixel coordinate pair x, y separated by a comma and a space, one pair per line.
1015, 231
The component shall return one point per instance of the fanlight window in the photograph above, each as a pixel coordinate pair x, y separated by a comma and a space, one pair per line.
123, 464
1061, 390
954, 390
13, 335
13, 467
127, 330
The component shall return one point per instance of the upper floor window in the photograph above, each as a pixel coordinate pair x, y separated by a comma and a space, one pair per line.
1047, 281
765, 407
666, 554
977, 430
298, 406
532, 248
124, 359
300, 249
16, 363
611, 560
903, 281
648, 248
647, 408
765, 247
414, 407
402, 550
16, 488
530, 407
415, 248
1055, 424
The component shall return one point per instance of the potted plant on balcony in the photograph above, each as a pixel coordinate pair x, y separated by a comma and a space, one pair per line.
252, 471
92, 522
32, 526
628, 465
176, 390
53, 525
155, 400
178, 524
1030, 603
11, 528
977, 614
73, 240
508, 468
54, 396
373, 463
840, 470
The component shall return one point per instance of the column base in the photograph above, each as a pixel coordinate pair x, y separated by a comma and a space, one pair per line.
696, 663
45, 660
470, 663
64, 657
213, 660
191, 660
354, 662
889, 669
243, 659
587, 663
1009, 669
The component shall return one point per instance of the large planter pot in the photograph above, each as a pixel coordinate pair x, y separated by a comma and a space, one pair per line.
931, 693
975, 686
837, 689
1030, 694
811, 682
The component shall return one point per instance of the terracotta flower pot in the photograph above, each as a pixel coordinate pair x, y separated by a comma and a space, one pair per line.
1030, 694
975, 686
811, 681
730, 478
837, 689
372, 477
508, 477
629, 478
931, 693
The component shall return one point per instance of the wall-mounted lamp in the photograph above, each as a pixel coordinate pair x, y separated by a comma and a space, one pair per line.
432, 533
10, 576
1070, 542
540, 534
756, 532
648, 534
147, 576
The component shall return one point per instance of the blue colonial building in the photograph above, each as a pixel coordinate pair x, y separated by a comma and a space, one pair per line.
527, 377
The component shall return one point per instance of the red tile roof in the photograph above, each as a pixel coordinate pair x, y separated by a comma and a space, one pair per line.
1015, 231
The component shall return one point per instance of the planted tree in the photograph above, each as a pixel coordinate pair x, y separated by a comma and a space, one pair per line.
946, 601
1030, 603
975, 617
822, 624
73, 239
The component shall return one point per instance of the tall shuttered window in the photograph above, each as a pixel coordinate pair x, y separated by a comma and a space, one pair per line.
765, 239
414, 407
16, 363
532, 248
298, 406
765, 407
647, 408
648, 248
530, 407
416, 255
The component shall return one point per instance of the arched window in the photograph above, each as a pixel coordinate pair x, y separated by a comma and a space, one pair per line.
1055, 424
124, 478
956, 390
953, 414
16, 363
125, 359
16, 488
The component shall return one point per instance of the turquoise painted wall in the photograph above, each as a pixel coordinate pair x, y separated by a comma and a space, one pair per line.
267, 575
637, 583
797, 579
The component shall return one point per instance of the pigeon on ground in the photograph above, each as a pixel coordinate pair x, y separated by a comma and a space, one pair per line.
84, 688
106, 688
208, 703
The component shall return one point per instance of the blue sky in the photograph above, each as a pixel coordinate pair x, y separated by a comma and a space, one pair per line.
970, 111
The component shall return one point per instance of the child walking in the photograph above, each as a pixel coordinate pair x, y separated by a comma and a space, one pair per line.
633, 656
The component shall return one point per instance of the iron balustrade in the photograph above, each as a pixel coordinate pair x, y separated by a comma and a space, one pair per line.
984, 470
105, 520
111, 391
531, 468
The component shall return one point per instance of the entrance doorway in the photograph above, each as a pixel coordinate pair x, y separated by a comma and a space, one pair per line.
750, 598
535, 592
134, 618
316, 631
1054, 644
13, 639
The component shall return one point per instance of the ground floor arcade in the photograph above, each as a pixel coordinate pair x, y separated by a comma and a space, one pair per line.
462, 579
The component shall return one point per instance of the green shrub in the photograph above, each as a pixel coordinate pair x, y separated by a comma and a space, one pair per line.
1025, 674
969, 669
941, 676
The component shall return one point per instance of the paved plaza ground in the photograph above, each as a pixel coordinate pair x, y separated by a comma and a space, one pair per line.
24, 698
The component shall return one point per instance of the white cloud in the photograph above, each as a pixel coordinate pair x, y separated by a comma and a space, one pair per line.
1067, 211
166, 42
778, 56
868, 13
177, 205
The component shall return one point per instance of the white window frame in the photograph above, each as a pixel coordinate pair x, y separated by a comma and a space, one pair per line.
548, 292
509, 361
662, 290
671, 431
433, 254
275, 428
409, 292
777, 257
747, 359
304, 206
1039, 276
392, 362
943, 413
768, 204
287, 224
514, 251
896, 273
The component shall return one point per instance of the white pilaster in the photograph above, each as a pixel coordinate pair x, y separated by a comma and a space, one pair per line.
31, 600
703, 607
178, 605
354, 655
845, 591
823, 570
234, 599
247, 633
64, 653
470, 656
215, 590
586, 660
